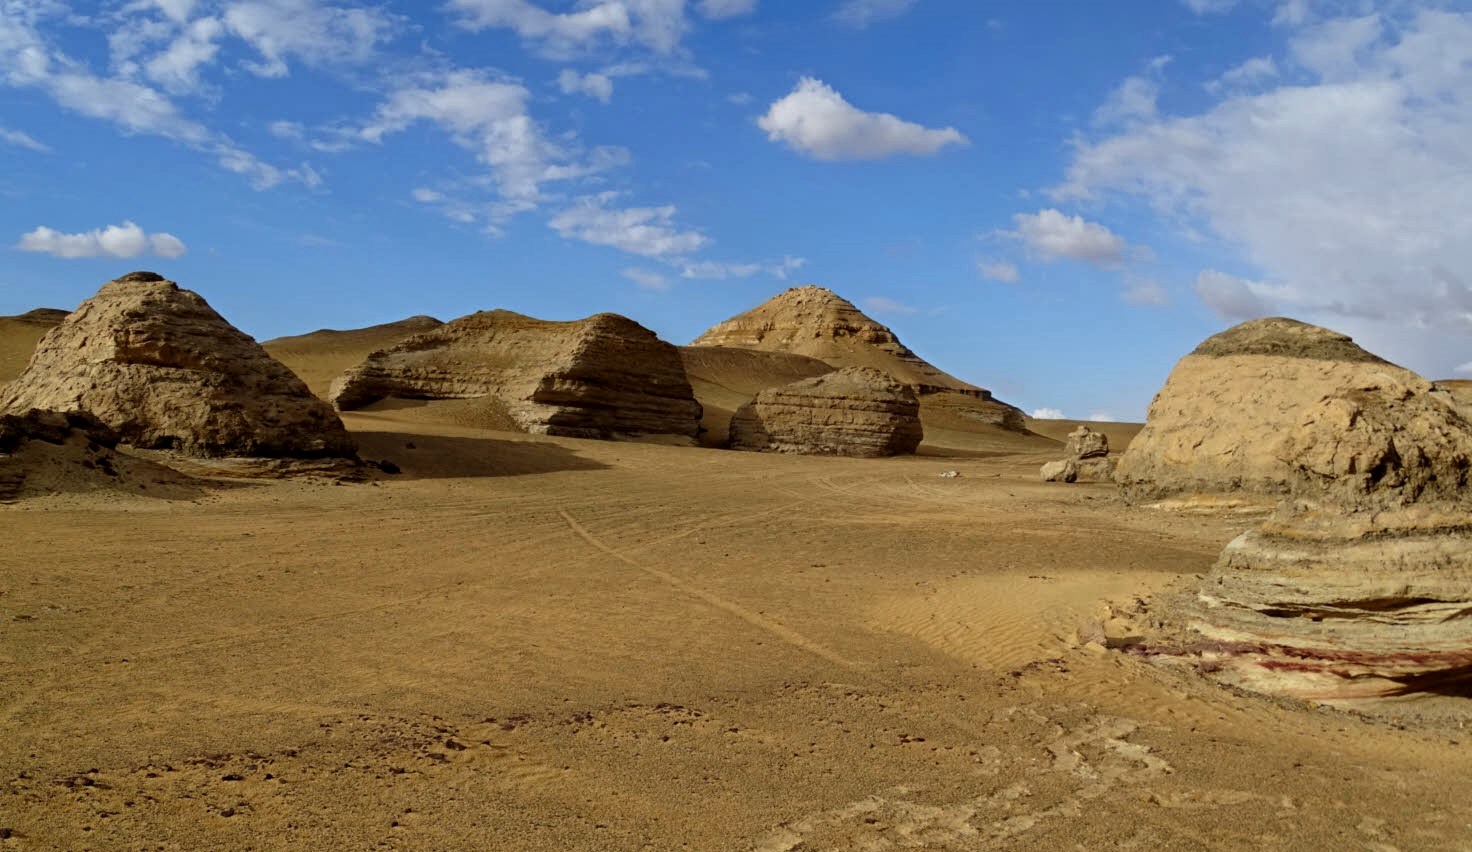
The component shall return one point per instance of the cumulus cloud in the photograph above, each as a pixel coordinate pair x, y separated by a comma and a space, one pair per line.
1252, 72
998, 271
1463, 369
1144, 291
1048, 414
721, 9
658, 25
646, 231
594, 85
1098, 416
714, 270
647, 280
1054, 234
862, 13
125, 240
814, 119
1347, 191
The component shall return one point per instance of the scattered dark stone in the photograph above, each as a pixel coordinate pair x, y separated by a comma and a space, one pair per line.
233, 777
387, 466
455, 746
409, 445
227, 813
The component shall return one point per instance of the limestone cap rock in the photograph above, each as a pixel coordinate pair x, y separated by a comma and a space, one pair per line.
856, 411
159, 366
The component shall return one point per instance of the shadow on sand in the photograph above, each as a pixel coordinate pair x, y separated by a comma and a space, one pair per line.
440, 457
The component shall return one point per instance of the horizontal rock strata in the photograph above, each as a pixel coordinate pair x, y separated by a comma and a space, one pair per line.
600, 377
161, 368
851, 412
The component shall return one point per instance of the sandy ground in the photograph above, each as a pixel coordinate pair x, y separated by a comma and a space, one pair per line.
526, 644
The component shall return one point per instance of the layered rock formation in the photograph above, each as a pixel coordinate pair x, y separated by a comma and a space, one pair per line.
725, 379
856, 411
161, 368
601, 377
1219, 425
818, 323
1086, 459
1360, 585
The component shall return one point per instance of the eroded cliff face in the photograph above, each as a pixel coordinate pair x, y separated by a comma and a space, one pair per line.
600, 377
156, 364
856, 411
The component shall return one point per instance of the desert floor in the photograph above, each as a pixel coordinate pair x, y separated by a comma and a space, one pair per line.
530, 643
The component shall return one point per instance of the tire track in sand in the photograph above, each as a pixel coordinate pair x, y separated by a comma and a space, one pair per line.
786, 634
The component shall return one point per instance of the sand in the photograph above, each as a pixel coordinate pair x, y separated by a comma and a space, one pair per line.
530, 643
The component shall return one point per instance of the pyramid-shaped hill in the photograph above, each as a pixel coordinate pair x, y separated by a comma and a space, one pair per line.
160, 367
605, 376
817, 323
20, 334
321, 356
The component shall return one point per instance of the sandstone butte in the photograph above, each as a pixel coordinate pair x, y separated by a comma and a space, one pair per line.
1360, 585
160, 367
601, 377
818, 323
856, 411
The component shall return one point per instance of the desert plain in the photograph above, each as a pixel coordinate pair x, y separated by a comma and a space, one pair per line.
545, 643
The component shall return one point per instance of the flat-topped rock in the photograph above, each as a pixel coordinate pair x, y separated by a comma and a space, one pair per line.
601, 377
160, 367
856, 411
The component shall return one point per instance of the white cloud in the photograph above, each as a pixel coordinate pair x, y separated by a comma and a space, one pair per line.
307, 30
1348, 191
998, 271
125, 240
1048, 414
658, 25
594, 85
647, 280
23, 140
740, 98
1098, 416
713, 270
885, 305
862, 13
721, 9
488, 116
1463, 369
177, 67
1209, 7
646, 231
1254, 71
1053, 234
1232, 298
816, 120
1144, 291
1133, 100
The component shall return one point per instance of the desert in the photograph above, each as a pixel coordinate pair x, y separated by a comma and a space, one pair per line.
531, 641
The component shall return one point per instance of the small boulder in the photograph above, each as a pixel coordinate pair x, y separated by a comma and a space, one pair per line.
1085, 443
1065, 470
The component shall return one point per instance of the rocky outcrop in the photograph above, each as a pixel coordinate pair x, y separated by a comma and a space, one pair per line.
321, 356
1360, 584
1086, 459
601, 377
1335, 606
856, 411
161, 368
818, 323
725, 379
50, 452
52, 427
1235, 413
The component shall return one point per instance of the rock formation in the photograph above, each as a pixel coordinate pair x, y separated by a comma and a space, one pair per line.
725, 379
1360, 585
158, 365
856, 411
1218, 427
51, 452
1086, 459
600, 377
818, 323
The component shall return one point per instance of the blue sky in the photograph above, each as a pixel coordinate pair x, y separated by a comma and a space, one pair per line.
1055, 200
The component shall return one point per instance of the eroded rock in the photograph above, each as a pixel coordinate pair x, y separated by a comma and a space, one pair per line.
601, 377
156, 364
856, 411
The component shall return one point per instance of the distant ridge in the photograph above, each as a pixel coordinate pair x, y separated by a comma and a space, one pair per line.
320, 356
